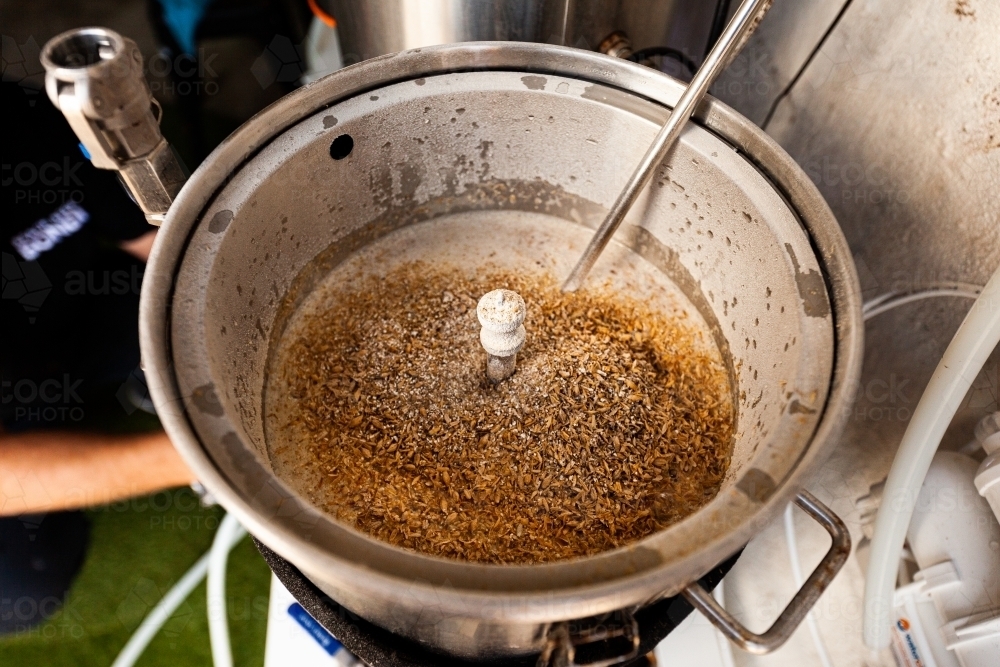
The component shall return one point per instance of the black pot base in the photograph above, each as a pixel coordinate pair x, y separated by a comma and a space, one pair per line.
378, 647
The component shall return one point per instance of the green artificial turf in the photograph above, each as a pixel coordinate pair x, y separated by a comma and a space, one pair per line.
138, 550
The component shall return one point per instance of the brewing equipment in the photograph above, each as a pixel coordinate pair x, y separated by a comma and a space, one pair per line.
370, 28
470, 135
95, 78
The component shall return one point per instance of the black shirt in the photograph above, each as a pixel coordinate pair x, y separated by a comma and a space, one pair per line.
70, 295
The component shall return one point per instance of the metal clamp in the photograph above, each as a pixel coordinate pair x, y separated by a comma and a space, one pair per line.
561, 644
789, 620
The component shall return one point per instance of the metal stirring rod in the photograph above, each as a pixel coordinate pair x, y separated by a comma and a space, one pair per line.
729, 44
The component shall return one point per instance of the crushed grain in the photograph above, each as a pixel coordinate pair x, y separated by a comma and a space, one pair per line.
615, 424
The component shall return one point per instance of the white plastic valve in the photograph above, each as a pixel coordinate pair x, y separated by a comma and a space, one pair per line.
501, 314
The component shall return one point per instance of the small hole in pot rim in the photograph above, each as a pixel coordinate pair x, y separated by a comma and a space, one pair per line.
341, 147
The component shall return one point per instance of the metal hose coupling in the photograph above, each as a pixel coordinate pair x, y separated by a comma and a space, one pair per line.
94, 76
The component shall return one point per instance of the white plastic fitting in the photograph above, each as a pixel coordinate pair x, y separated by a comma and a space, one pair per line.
988, 432
988, 476
501, 314
956, 543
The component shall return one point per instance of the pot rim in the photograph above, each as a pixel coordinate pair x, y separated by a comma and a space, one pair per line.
664, 578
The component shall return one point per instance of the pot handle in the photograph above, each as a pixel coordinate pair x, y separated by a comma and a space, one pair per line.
792, 616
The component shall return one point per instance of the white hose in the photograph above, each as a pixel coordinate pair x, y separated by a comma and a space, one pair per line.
973, 343
793, 556
230, 532
890, 300
150, 625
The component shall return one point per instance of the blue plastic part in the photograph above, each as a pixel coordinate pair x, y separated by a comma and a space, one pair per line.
315, 630
182, 18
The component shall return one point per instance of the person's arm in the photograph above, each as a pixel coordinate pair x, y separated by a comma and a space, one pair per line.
52, 471
141, 246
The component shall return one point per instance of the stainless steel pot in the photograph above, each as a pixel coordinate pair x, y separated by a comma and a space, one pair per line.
471, 129
370, 28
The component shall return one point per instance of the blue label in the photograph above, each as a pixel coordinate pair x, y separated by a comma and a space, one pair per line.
315, 630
